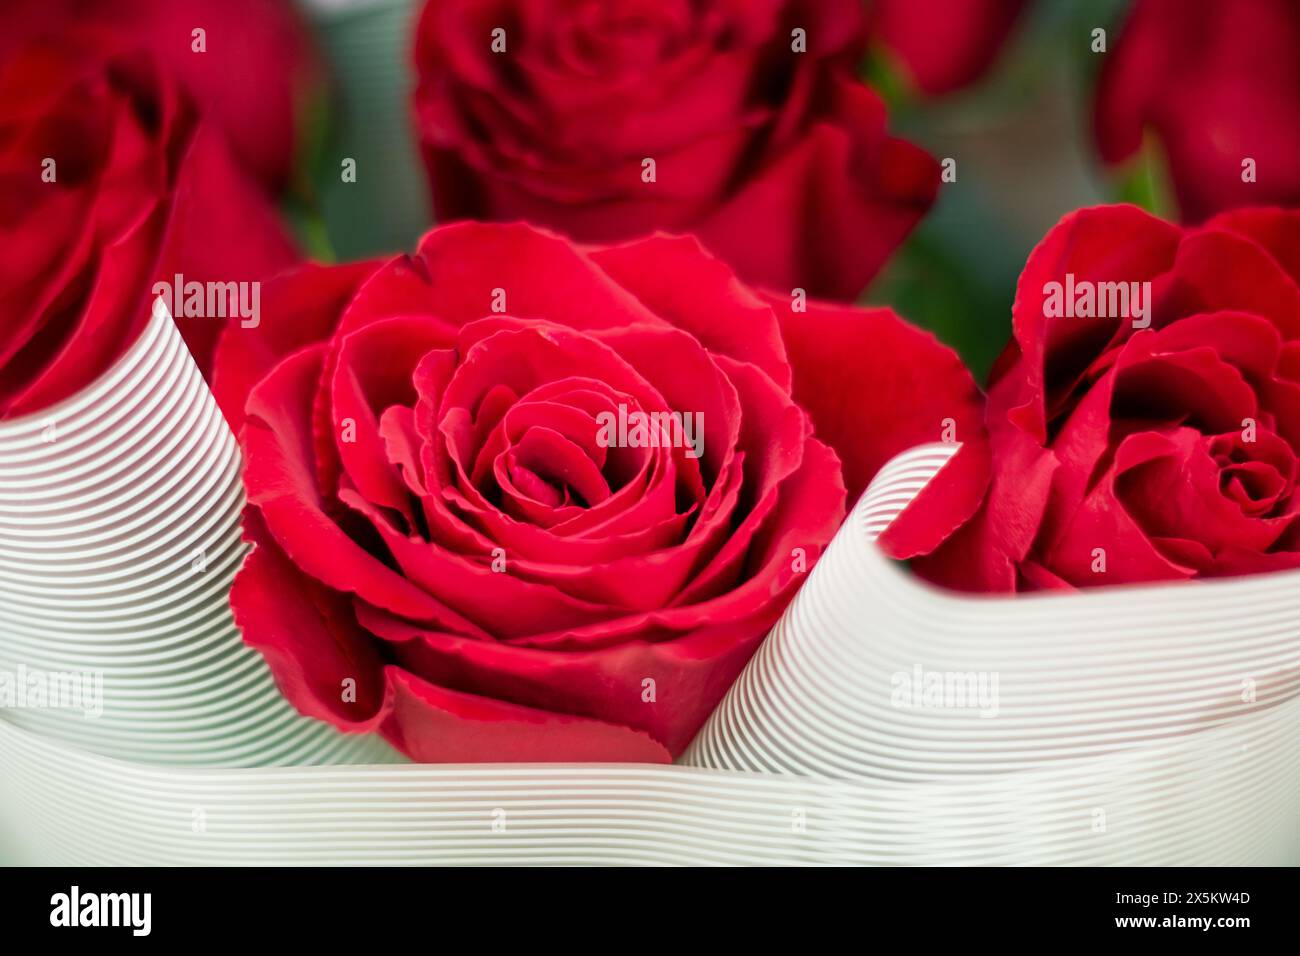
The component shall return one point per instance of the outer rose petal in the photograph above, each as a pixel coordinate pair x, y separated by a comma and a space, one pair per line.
983, 554
1101, 244
876, 386
276, 441
678, 280
1222, 270
433, 724
544, 276
1232, 561
945, 44
1132, 74
299, 308
221, 229
111, 317
1217, 83
308, 635
833, 208
1277, 230
312, 643
258, 81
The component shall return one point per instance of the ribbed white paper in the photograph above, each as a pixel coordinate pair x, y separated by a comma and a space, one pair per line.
1202, 801
1138, 726
119, 537
1083, 675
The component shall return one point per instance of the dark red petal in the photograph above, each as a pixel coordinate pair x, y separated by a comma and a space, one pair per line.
79, 343
1102, 521
299, 308
984, 553
1277, 230
432, 724
309, 637
221, 229
1216, 84
832, 208
875, 386
1134, 72
1171, 486
945, 44
1101, 244
1218, 270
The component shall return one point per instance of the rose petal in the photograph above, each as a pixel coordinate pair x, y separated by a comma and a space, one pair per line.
875, 386
434, 724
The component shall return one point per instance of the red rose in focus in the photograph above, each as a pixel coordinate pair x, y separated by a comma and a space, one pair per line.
944, 44
778, 160
443, 515
109, 183
1128, 453
255, 80
1218, 83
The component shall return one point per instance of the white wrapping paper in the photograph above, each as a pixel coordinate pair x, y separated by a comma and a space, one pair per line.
119, 537
1132, 726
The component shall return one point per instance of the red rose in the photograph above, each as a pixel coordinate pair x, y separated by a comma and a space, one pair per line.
1218, 84
255, 78
944, 44
110, 184
778, 160
1127, 452
456, 547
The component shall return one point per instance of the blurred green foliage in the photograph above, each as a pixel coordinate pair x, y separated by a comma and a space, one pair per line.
369, 49
1022, 140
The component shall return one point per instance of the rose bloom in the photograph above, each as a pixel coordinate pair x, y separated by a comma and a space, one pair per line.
450, 550
257, 80
1123, 453
778, 160
109, 182
1217, 83
944, 45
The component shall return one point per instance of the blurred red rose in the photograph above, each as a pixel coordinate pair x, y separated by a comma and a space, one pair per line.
1218, 84
454, 549
778, 160
944, 44
109, 183
256, 79
1130, 453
